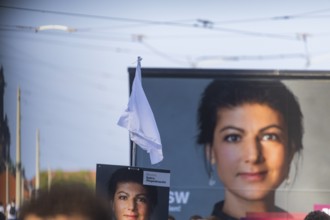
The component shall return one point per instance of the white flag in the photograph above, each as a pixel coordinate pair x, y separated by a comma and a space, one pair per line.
139, 120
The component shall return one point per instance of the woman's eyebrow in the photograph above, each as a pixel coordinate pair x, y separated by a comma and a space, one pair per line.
142, 194
272, 126
122, 192
232, 127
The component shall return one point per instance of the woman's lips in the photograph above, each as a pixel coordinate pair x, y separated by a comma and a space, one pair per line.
131, 216
253, 176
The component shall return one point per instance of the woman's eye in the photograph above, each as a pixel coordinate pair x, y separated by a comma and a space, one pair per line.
232, 138
142, 199
270, 137
122, 197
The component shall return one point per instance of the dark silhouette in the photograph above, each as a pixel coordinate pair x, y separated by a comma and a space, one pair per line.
317, 215
66, 199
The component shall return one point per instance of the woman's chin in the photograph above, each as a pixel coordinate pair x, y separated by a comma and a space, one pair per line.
253, 194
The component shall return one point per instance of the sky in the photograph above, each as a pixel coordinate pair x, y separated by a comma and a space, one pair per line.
74, 84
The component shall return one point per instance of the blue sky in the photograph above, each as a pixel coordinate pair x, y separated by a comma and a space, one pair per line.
74, 85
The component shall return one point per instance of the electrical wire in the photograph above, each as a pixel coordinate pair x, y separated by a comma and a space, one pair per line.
205, 24
169, 23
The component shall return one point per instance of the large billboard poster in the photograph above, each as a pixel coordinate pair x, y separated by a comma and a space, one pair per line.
291, 147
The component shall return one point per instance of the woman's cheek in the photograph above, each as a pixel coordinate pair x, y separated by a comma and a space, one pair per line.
227, 153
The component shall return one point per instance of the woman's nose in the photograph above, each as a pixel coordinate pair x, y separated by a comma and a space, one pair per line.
253, 151
132, 205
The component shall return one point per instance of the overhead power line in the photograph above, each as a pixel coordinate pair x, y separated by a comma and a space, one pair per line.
309, 14
199, 23
252, 57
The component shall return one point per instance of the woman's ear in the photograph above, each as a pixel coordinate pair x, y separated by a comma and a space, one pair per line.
210, 154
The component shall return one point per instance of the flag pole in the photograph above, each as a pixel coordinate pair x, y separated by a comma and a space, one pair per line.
133, 153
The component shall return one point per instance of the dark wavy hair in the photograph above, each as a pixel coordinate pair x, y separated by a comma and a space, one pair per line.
134, 175
229, 93
317, 215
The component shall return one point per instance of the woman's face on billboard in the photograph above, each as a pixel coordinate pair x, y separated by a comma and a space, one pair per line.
250, 150
131, 202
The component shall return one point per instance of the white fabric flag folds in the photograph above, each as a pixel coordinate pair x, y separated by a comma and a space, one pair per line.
139, 120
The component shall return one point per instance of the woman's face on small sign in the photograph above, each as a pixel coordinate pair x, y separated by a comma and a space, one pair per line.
250, 150
131, 202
